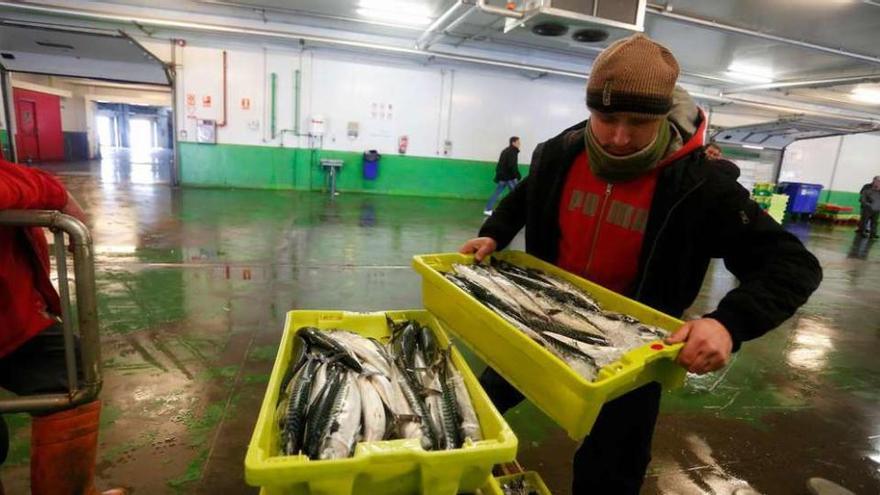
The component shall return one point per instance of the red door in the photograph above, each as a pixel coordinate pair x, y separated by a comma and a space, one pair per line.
38, 134
28, 144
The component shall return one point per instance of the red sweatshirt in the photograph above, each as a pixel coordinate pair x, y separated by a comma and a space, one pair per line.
27, 296
603, 224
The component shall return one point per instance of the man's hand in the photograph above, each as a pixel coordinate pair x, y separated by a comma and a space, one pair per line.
480, 247
707, 345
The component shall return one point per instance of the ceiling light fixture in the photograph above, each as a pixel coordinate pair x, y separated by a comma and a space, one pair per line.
746, 72
395, 11
865, 94
752, 147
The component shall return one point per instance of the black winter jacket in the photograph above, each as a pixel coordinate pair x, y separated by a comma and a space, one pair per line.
698, 213
507, 168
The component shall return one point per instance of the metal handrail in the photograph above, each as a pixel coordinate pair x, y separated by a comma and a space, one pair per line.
79, 391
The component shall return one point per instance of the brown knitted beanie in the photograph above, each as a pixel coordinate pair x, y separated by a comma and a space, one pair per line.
635, 75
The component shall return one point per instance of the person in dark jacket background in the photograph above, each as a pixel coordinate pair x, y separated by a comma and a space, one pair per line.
506, 172
869, 200
628, 199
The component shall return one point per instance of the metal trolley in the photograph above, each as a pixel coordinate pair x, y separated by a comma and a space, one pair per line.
86, 390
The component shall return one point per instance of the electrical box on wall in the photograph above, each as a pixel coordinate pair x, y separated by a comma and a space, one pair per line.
447, 147
353, 130
206, 131
317, 125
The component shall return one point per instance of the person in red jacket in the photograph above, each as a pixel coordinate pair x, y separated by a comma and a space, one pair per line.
629, 200
63, 444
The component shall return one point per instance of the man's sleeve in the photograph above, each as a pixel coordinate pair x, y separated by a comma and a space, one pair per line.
776, 272
29, 189
513, 163
502, 158
509, 216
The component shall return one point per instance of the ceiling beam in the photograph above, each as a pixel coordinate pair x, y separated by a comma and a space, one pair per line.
668, 13
812, 83
289, 36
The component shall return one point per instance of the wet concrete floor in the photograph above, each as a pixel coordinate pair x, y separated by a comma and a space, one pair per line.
194, 284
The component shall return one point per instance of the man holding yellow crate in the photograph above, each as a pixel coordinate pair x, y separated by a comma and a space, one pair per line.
627, 199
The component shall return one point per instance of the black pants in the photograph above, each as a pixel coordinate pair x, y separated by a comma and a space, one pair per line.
37, 367
615, 456
868, 222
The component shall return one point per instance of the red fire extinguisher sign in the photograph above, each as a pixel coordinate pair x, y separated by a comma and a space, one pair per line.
402, 144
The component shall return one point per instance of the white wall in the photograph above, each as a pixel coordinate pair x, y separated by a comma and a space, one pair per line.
840, 163
476, 109
489, 109
386, 103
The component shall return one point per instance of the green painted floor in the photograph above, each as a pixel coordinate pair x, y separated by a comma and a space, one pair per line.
194, 283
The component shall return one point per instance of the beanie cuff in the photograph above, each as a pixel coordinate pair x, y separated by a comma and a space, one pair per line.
621, 102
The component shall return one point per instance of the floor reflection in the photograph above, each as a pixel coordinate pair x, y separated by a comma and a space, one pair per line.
121, 166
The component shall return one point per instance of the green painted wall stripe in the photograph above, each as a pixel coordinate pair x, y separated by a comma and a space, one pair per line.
264, 167
4, 144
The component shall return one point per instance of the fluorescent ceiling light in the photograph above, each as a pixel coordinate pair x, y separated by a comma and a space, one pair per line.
866, 94
752, 147
742, 71
394, 17
395, 11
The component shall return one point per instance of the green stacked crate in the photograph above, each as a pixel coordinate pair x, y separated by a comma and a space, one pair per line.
762, 193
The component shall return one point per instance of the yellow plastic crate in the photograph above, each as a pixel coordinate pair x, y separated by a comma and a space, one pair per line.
387, 467
566, 397
493, 487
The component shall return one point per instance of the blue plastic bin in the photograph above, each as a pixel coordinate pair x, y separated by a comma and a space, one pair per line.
371, 164
803, 198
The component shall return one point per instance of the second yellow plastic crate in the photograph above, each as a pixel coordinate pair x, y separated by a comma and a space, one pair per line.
388, 467
493, 487
566, 397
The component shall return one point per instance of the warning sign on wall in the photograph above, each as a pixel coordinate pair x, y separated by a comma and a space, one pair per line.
245, 103
190, 100
206, 101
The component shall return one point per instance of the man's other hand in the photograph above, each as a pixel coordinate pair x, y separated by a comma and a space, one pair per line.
480, 247
707, 345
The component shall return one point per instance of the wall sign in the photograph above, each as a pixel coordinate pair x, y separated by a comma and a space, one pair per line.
245, 103
206, 101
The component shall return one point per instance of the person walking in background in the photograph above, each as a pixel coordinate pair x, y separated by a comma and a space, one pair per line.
506, 173
869, 199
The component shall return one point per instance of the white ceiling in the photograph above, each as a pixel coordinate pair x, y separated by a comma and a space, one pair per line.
760, 38
98, 55
847, 25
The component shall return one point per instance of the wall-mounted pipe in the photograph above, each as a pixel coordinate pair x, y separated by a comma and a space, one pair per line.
273, 88
8, 114
297, 77
175, 114
223, 122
